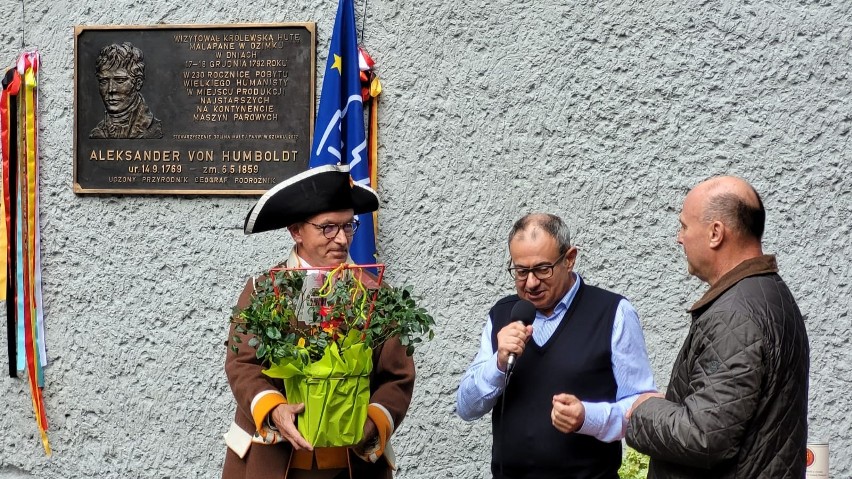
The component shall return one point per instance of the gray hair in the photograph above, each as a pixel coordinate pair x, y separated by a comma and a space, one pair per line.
552, 224
737, 213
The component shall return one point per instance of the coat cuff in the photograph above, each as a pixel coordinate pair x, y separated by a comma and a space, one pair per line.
383, 420
263, 403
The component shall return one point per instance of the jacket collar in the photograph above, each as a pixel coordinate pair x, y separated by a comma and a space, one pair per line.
764, 264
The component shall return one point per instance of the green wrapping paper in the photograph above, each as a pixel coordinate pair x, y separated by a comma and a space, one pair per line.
334, 389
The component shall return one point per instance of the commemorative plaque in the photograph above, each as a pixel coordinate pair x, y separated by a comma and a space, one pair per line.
192, 109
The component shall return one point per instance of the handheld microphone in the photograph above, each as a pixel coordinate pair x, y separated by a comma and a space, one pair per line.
522, 311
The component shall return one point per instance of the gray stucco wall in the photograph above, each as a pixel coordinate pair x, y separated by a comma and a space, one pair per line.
604, 112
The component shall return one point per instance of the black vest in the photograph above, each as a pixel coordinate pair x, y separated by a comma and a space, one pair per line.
577, 360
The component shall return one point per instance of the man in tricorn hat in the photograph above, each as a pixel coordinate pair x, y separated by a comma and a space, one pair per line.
318, 207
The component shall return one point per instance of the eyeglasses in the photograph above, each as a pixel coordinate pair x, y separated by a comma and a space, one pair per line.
330, 230
541, 272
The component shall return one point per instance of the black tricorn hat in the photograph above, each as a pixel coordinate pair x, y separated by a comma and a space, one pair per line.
315, 191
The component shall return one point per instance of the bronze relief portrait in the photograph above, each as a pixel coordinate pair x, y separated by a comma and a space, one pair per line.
120, 71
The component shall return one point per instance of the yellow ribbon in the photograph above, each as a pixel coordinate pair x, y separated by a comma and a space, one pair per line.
31, 176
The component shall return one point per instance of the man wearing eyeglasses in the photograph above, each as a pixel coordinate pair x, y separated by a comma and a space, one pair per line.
580, 365
318, 208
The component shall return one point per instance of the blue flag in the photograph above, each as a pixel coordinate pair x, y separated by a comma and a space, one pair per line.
339, 134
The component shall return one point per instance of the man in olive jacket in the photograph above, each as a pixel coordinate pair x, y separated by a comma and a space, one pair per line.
737, 401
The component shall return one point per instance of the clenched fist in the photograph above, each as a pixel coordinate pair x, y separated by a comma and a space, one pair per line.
568, 414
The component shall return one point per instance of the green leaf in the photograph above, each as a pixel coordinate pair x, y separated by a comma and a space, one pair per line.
273, 333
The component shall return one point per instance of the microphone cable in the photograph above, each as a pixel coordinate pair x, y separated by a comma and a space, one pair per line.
502, 423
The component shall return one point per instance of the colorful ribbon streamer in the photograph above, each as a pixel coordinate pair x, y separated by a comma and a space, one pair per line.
23, 233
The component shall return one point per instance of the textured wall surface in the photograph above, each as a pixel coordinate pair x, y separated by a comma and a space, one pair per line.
604, 112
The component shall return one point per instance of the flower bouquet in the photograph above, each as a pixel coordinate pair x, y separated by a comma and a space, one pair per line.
317, 333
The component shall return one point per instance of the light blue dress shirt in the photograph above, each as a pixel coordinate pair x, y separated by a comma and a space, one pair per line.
483, 383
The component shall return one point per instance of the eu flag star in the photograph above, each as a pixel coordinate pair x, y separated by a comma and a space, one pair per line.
338, 64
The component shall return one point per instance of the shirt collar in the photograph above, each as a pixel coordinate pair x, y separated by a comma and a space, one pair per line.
296, 261
302, 262
564, 303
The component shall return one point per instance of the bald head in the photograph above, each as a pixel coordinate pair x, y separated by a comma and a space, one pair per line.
721, 224
735, 203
